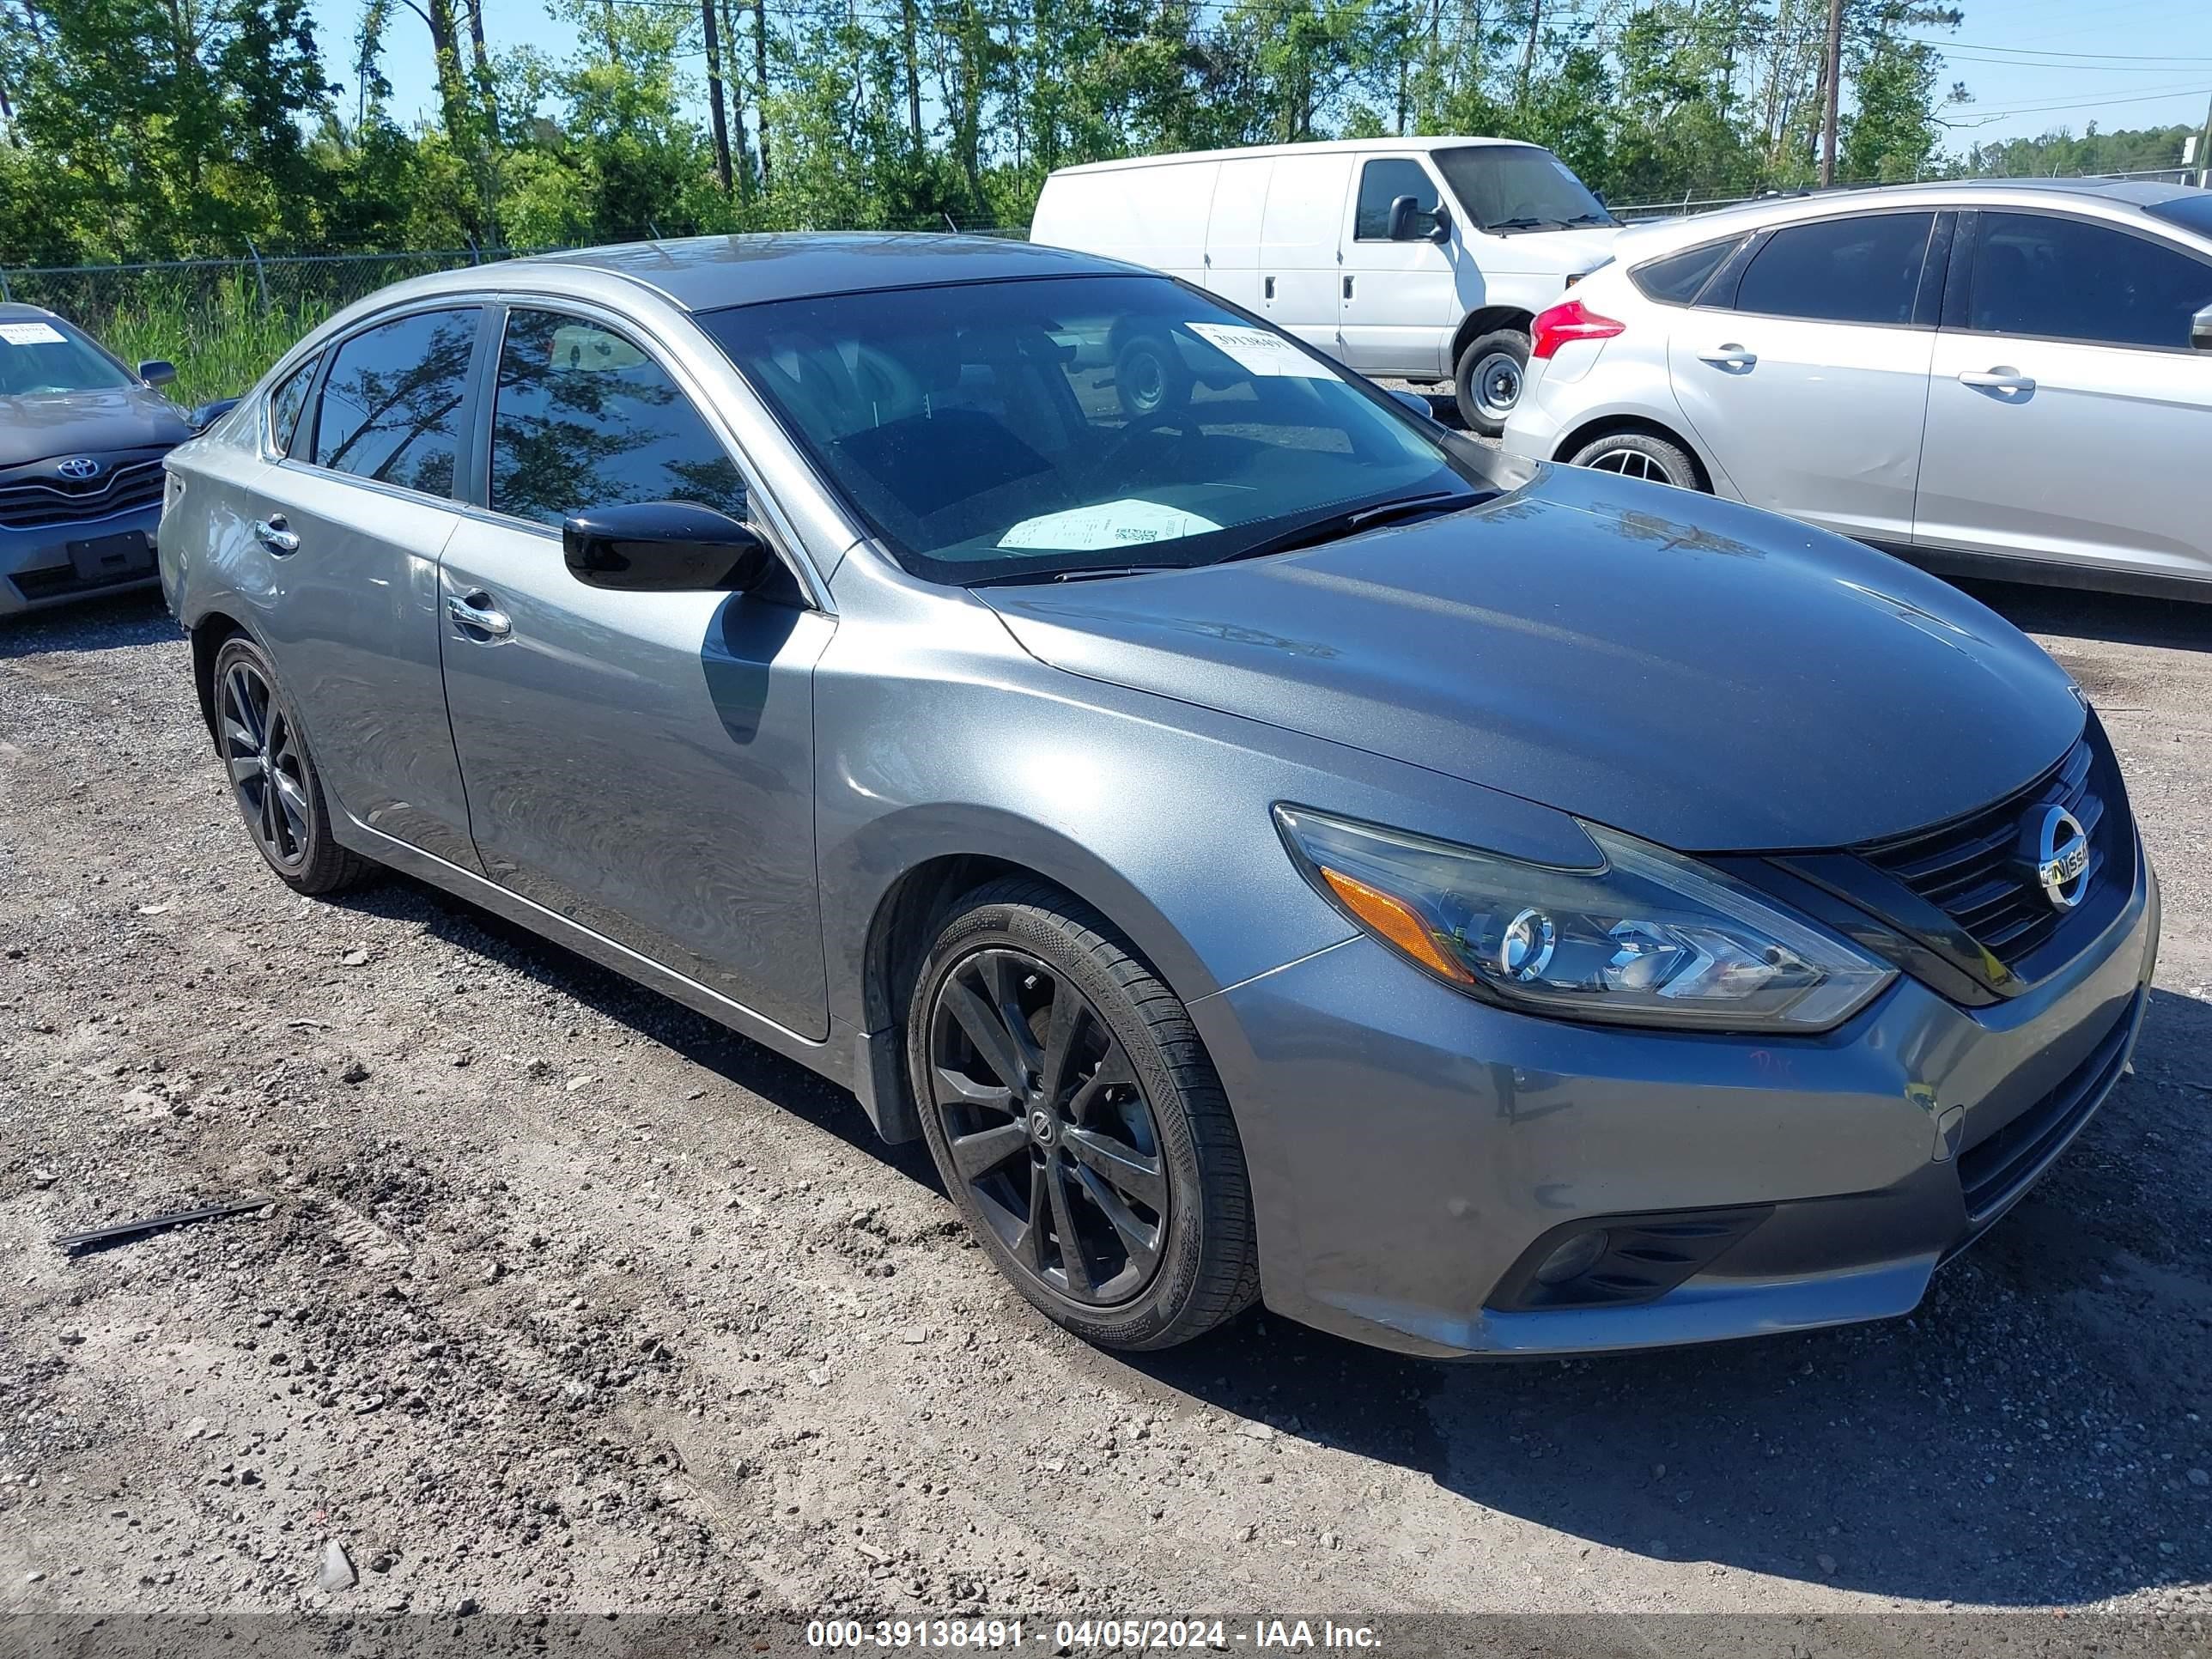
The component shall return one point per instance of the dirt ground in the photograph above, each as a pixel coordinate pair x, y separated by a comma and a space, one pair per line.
567, 1302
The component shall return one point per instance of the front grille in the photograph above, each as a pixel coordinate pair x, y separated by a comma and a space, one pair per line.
1971, 869
40, 503
1994, 1171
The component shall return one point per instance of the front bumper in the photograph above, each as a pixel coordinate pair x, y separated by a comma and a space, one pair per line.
36, 570
1408, 1145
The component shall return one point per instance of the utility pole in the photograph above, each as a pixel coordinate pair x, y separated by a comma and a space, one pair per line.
1831, 78
2204, 151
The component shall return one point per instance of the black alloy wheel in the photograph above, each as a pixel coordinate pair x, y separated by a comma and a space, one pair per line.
267, 768
1048, 1125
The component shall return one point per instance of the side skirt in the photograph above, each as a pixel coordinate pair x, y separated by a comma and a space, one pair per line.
832, 1059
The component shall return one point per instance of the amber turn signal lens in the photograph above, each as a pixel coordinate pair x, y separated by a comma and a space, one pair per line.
1395, 920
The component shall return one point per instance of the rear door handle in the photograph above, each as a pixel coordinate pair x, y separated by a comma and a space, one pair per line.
1347, 288
1268, 287
273, 534
478, 612
1729, 356
2004, 377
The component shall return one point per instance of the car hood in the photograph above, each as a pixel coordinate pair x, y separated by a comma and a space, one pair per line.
88, 423
1703, 675
1560, 250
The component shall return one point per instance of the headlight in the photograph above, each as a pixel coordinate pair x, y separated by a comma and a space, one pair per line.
1649, 939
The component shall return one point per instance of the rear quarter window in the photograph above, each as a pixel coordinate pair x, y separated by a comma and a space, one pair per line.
1677, 279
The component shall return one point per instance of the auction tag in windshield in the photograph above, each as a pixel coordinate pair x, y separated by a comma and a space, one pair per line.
1109, 524
31, 334
1258, 352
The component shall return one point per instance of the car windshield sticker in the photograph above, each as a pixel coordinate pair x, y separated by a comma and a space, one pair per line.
1109, 524
32, 334
1259, 352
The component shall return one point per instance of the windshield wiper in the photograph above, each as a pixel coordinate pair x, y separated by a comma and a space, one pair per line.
1525, 223
1334, 526
1082, 573
1590, 219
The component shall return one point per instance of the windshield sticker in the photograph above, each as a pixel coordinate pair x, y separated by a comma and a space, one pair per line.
1259, 352
1109, 524
32, 334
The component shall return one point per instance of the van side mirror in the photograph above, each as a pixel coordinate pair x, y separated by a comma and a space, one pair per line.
664, 547
2200, 330
157, 371
1404, 209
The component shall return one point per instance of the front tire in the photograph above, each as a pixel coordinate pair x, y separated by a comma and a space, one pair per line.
1077, 1121
1642, 455
273, 779
1488, 379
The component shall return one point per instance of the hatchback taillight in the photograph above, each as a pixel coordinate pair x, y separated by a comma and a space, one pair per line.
1570, 320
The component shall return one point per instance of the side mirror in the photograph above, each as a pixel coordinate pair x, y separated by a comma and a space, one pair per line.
207, 414
664, 547
157, 371
1404, 209
1440, 231
2200, 330
1414, 403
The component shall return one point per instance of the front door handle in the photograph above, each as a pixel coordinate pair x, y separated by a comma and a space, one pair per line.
1730, 355
273, 534
2003, 378
478, 612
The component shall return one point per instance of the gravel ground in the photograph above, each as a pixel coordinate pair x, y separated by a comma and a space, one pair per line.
567, 1302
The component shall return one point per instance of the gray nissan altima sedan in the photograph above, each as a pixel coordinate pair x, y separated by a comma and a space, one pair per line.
1267, 846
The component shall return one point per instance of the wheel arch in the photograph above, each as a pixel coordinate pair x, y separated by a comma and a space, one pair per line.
208, 635
884, 944
1606, 426
1482, 320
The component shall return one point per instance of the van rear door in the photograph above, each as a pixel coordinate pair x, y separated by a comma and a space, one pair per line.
1300, 278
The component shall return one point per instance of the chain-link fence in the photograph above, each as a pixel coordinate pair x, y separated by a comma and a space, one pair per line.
1691, 202
222, 322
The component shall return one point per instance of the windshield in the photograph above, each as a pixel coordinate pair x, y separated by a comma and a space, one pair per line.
1508, 187
1013, 430
41, 355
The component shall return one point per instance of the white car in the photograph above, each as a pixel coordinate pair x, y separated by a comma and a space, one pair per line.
2000, 378
1419, 258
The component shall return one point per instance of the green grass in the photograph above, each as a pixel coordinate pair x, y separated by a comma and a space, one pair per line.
221, 339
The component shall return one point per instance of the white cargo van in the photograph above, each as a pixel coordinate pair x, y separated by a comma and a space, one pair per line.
1420, 259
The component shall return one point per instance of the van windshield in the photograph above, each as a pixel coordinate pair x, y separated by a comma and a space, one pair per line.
1022, 429
1511, 187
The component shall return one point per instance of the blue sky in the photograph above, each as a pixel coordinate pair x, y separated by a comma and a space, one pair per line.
2030, 65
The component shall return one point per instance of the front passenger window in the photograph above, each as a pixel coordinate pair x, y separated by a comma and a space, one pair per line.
2037, 273
1383, 182
584, 418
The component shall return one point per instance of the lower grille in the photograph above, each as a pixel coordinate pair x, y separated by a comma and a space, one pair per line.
1994, 1171
35, 585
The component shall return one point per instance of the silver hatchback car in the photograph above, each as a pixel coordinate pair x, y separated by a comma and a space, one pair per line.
2010, 378
1267, 845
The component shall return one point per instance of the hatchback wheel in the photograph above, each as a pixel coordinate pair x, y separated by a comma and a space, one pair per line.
272, 776
1640, 455
1077, 1123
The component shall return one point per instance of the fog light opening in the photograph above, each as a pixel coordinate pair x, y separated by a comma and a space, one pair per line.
1574, 1258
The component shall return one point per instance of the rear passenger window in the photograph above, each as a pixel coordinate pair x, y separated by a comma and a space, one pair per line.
1677, 279
391, 408
2036, 273
1383, 182
1865, 268
286, 403
584, 418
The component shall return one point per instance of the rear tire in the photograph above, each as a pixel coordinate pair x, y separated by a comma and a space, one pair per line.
1488, 377
273, 781
1150, 376
1642, 455
1115, 1136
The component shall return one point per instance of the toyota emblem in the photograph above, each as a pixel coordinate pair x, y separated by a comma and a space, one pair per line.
79, 467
